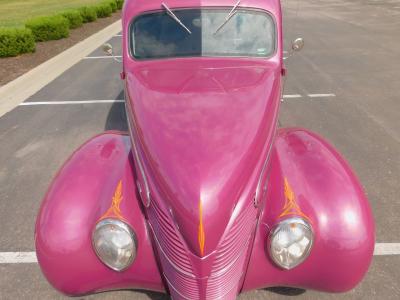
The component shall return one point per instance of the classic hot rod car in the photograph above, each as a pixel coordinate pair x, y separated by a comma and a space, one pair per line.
204, 197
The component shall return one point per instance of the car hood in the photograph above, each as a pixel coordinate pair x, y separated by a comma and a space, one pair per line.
202, 127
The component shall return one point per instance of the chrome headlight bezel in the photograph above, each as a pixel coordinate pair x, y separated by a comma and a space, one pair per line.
120, 225
277, 228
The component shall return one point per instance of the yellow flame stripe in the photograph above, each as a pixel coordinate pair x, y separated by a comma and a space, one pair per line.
115, 210
201, 235
291, 207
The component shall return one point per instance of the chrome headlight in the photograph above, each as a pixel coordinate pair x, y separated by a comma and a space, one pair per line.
115, 244
290, 242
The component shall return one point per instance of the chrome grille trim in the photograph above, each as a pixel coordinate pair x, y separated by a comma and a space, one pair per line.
168, 240
220, 285
197, 297
167, 258
229, 259
232, 246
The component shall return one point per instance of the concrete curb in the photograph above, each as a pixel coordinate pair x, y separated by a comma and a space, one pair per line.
18, 90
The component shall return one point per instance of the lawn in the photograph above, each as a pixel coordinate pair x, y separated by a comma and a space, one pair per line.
15, 12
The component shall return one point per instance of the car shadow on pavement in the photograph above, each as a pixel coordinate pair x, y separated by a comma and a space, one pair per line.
286, 291
135, 294
116, 119
154, 295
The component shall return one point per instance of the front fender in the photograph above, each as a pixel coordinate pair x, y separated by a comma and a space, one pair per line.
327, 193
79, 196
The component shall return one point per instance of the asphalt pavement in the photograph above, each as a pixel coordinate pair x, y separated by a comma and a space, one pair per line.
343, 85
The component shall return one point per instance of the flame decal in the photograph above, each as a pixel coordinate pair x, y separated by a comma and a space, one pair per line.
291, 207
114, 210
201, 235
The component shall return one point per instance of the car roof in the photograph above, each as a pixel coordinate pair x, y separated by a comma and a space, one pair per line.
133, 8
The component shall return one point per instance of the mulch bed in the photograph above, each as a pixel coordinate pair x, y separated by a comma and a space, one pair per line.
13, 67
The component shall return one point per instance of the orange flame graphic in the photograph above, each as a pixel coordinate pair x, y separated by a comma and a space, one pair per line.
201, 235
114, 210
291, 207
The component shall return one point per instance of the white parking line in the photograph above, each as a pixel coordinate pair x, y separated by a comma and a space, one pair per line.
70, 102
387, 249
313, 96
20, 89
292, 96
17, 257
321, 95
119, 35
100, 57
30, 257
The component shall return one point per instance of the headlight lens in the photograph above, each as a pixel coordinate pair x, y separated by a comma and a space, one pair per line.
115, 244
290, 242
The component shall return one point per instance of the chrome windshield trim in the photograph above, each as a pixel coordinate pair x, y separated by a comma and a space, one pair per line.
131, 40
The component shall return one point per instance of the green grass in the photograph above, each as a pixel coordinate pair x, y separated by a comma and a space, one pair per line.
16, 12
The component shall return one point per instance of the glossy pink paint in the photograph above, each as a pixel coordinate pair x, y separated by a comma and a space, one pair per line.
330, 195
80, 194
203, 135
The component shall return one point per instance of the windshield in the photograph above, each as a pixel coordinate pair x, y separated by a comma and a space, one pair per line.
207, 33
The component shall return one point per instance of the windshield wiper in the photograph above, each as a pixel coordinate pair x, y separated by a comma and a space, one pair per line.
228, 17
173, 16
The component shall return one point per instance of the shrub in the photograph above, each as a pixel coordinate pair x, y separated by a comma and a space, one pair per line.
103, 10
14, 41
88, 14
120, 3
48, 28
112, 4
74, 18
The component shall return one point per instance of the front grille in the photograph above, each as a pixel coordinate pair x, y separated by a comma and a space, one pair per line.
235, 240
230, 257
182, 286
169, 240
228, 262
174, 258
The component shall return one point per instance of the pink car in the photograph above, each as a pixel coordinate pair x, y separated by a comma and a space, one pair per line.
205, 197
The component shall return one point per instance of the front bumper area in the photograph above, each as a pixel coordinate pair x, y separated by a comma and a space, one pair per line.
326, 190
